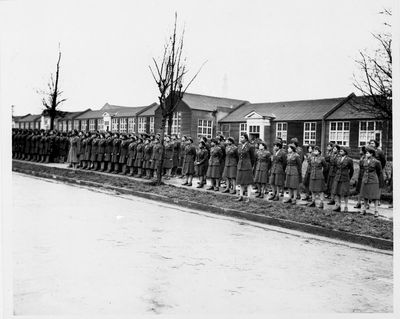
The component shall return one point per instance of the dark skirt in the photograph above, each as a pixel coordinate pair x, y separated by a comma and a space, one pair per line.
329, 184
277, 179
115, 158
93, 157
107, 157
370, 191
100, 157
131, 161
214, 171
261, 177
122, 159
201, 170
175, 160
341, 188
292, 181
317, 185
87, 156
244, 177
188, 168
138, 162
168, 163
147, 164
230, 171
82, 156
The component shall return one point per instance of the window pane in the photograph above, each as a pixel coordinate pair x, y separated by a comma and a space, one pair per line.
284, 126
333, 126
339, 136
313, 135
346, 126
340, 126
278, 126
306, 135
307, 126
332, 136
371, 126
379, 125
363, 126
313, 126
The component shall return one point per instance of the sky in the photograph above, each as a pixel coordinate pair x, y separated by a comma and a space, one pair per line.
258, 51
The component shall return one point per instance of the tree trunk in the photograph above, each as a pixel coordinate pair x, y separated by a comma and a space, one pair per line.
170, 121
160, 164
52, 117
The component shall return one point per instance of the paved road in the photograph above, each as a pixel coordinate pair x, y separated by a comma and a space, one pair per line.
82, 251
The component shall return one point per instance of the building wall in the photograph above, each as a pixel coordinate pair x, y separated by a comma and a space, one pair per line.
387, 137
186, 119
201, 115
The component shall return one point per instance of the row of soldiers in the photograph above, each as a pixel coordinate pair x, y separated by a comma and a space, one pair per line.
248, 164
40, 145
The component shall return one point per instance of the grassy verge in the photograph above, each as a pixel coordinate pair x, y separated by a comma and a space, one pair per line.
349, 222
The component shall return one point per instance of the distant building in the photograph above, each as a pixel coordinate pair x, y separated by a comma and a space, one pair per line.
114, 118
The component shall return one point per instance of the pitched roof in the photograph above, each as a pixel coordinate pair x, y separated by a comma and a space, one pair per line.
150, 111
209, 103
128, 111
30, 118
352, 109
20, 117
91, 115
286, 111
72, 115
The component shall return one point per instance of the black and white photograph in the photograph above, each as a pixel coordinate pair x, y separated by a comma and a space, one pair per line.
198, 159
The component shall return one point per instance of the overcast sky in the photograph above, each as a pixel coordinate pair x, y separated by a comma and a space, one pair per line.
258, 51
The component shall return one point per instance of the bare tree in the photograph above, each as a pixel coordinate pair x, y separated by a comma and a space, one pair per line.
52, 96
169, 73
375, 79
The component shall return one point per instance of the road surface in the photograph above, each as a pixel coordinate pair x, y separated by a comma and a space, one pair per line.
85, 251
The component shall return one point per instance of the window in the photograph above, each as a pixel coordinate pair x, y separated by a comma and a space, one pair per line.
242, 129
100, 125
83, 125
69, 125
339, 133
64, 126
205, 128
37, 124
176, 123
76, 124
152, 124
92, 126
370, 130
60, 126
141, 124
310, 133
254, 129
122, 125
225, 130
131, 125
114, 125
281, 130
